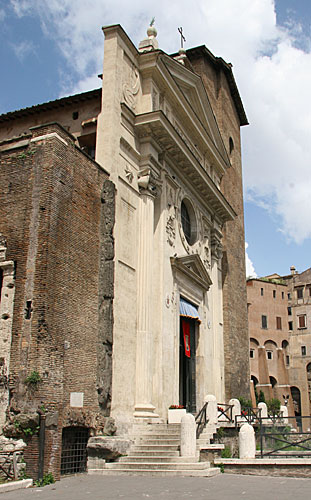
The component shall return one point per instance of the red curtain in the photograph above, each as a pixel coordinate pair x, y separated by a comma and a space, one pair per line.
186, 332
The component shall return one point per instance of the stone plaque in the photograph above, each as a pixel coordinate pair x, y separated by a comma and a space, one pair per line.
76, 399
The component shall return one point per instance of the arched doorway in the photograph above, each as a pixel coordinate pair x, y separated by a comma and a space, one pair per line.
295, 392
74, 442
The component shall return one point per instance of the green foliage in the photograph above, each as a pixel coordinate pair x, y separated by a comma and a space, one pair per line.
277, 281
226, 452
47, 479
33, 379
245, 403
29, 431
220, 432
273, 405
221, 466
261, 397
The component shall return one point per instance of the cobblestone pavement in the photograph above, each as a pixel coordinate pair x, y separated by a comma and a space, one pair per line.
221, 487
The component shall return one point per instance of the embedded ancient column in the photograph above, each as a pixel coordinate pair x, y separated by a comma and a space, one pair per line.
264, 380
7, 291
144, 362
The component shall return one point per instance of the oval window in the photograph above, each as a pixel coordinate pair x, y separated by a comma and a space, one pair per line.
188, 221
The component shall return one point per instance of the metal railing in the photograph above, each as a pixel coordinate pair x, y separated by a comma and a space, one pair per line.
249, 415
201, 420
285, 439
225, 411
8, 463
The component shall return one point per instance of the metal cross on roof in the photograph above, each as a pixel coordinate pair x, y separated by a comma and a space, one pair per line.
182, 38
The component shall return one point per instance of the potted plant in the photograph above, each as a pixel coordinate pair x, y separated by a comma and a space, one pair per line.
175, 414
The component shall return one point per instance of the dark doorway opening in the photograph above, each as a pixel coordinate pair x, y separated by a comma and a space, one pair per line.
74, 442
187, 366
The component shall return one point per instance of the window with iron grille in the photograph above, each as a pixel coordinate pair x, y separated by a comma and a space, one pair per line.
74, 442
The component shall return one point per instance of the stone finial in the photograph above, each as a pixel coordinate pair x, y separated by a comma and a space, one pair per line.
3, 247
150, 43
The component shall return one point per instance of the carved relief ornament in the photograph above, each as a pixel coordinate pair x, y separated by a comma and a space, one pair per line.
131, 88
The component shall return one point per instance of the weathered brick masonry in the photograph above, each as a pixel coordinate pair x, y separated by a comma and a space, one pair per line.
51, 210
230, 115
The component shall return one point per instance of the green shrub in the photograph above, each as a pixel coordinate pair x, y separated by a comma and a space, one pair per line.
245, 403
47, 479
226, 452
33, 379
273, 405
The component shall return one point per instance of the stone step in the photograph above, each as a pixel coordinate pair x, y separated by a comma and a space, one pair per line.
209, 472
158, 465
151, 442
157, 435
155, 458
159, 453
156, 427
154, 447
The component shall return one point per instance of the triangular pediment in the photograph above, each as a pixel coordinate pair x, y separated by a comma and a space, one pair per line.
190, 85
193, 268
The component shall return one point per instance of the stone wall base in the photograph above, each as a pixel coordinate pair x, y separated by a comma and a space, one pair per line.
298, 467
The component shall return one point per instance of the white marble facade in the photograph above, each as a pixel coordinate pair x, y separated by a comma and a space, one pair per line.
163, 150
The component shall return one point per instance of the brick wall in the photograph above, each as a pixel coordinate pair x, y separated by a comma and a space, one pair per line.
50, 212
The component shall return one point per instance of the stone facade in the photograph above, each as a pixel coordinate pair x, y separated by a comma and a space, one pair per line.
102, 268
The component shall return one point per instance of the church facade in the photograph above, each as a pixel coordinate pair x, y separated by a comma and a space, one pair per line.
122, 222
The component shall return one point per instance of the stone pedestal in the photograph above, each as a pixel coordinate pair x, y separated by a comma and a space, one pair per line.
247, 442
188, 436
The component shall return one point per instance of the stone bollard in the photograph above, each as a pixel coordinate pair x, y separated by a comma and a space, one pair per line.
247, 442
284, 411
188, 436
264, 410
236, 410
211, 410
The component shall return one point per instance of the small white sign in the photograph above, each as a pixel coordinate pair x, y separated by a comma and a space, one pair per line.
76, 399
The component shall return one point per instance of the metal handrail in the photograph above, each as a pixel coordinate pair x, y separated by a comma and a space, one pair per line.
250, 415
201, 420
225, 410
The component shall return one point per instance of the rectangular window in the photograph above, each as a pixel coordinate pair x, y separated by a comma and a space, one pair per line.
299, 292
290, 325
264, 322
288, 296
302, 321
269, 354
289, 311
282, 295
274, 294
303, 350
278, 323
251, 353
287, 360
261, 291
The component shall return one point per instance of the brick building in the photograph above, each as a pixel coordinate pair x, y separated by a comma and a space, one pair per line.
122, 248
279, 309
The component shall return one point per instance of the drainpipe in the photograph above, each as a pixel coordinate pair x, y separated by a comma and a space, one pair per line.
41, 444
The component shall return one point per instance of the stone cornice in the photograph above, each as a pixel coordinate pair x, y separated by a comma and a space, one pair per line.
157, 124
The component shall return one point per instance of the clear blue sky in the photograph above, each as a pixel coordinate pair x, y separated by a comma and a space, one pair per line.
53, 48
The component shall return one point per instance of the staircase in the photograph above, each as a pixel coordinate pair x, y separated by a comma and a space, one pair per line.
156, 452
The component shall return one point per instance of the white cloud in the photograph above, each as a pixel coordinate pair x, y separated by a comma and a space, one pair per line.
23, 49
273, 75
250, 269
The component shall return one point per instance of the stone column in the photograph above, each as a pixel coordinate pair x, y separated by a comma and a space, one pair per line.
7, 293
144, 362
263, 372
283, 387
